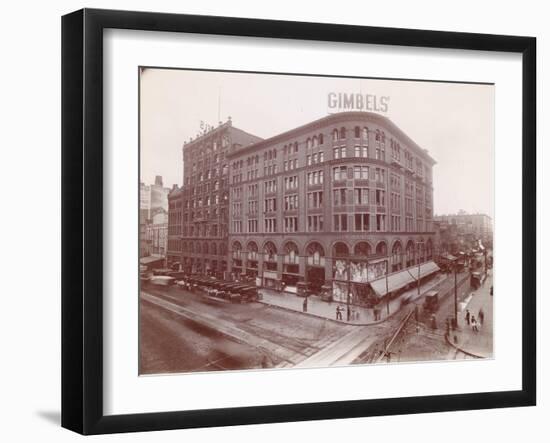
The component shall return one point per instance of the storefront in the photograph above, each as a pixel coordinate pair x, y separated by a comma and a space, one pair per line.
315, 268
270, 280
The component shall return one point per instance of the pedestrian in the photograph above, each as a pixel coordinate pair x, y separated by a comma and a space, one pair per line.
338, 313
473, 321
348, 313
467, 317
304, 305
481, 316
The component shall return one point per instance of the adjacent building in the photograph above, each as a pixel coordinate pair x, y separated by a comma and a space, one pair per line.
153, 218
462, 231
198, 211
342, 205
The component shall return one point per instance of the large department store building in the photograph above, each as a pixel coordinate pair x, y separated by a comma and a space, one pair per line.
342, 205
198, 210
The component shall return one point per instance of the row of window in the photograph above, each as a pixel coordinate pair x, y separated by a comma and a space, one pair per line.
358, 222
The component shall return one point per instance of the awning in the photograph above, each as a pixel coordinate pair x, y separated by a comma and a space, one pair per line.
150, 259
400, 279
448, 257
425, 269
396, 281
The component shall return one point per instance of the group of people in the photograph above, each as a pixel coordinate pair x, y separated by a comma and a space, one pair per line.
474, 322
352, 314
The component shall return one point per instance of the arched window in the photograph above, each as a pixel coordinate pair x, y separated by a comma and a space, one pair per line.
342, 133
237, 249
308, 143
340, 250
429, 249
321, 139
382, 248
270, 252
291, 253
252, 249
314, 141
410, 253
357, 132
213, 249
362, 249
335, 135
365, 136
315, 254
396, 256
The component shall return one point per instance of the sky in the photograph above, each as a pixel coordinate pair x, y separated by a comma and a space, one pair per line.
453, 121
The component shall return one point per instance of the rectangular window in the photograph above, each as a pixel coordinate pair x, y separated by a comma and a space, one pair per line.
291, 182
361, 196
362, 222
253, 226
361, 172
270, 225
340, 173
291, 224
339, 197
341, 222
291, 202
315, 199
315, 223
380, 222
380, 197
361, 151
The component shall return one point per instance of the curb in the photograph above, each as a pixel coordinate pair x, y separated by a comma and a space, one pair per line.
471, 354
340, 322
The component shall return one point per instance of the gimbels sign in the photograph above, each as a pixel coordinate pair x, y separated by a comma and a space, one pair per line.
343, 101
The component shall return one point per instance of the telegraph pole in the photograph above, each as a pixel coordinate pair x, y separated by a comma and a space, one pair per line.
387, 292
418, 248
455, 263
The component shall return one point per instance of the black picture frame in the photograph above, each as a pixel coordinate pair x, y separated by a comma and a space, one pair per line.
82, 215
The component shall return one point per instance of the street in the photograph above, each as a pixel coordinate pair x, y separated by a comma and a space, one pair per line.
183, 331
186, 332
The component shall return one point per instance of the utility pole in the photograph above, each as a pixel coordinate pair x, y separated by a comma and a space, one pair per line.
387, 292
455, 265
418, 249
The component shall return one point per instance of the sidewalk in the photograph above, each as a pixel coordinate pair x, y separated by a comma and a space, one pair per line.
360, 316
479, 344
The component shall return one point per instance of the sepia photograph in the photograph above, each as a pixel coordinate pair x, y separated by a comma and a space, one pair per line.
306, 221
